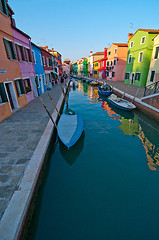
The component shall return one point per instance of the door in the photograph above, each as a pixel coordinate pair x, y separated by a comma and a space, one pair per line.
42, 83
11, 96
132, 78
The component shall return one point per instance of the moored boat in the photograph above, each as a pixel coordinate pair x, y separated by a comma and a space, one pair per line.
70, 128
105, 90
121, 103
94, 83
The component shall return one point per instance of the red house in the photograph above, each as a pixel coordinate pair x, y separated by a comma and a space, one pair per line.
48, 65
102, 65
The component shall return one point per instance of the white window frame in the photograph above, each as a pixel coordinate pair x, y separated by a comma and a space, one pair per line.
129, 58
142, 57
16, 79
34, 58
41, 59
13, 93
131, 44
144, 40
9, 40
47, 60
134, 76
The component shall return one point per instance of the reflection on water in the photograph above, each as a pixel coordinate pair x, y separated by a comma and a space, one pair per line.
130, 124
71, 155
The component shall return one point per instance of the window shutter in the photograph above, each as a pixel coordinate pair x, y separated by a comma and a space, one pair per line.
3, 93
21, 86
6, 47
17, 87
13, 49
5, 7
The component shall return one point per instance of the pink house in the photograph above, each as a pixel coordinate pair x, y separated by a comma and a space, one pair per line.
116, 62
24, 55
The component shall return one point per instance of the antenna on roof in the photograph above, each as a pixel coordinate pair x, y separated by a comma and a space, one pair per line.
132, 26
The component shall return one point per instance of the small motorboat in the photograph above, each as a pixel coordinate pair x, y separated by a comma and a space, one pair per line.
105, 90
94, 83
70, 128
73, 83
121, 103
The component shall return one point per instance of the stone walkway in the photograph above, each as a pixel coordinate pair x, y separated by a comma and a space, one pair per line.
20, 134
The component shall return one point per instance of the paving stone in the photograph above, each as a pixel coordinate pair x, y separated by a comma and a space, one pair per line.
4, 178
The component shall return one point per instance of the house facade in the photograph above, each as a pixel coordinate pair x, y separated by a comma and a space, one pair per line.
24, 55
102, 65
140, 48
153, 75
12, 94
95, 57
95, 68
85, 67
47, 64
116, 62
39, 69
74, 68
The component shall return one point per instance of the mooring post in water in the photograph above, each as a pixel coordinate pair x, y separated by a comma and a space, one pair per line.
54, 104
48, 112
62, 89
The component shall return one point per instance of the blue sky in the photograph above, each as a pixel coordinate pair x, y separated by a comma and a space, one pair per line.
74, 28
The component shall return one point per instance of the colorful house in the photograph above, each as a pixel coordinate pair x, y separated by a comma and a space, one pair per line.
102, 65
116, 62
47, 64
153, 75
85, 67
94, 60
140, 48
12, 94
39, 69
74, 68
59, 62
79, 67
95, 68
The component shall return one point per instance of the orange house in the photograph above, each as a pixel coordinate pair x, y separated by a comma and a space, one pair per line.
12, 95
116, 62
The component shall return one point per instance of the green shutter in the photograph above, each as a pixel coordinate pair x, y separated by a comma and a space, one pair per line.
5, 9
3, 93
6, 47
21, 86
13, 50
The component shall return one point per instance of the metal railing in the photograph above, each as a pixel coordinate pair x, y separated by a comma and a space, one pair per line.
151, 89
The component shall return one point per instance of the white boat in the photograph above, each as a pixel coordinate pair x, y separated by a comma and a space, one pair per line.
73, 83
121, 103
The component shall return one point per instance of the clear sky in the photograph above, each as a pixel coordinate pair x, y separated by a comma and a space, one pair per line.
74, 28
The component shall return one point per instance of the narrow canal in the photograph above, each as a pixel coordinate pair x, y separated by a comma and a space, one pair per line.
106, 186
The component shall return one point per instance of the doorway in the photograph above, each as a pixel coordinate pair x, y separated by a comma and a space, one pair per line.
132, 78
11, 96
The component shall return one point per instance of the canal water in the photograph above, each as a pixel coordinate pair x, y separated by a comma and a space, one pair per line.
107, 185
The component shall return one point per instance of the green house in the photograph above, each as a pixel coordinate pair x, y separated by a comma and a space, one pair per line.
74, 68
140, 49
85, 67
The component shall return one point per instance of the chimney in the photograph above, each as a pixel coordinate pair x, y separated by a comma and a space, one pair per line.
130, 36
52, 49
105, 52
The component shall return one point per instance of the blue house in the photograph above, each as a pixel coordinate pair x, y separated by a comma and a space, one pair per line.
39, 69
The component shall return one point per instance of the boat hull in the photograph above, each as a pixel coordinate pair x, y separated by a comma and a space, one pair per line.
70, 128
104, 93
118, 105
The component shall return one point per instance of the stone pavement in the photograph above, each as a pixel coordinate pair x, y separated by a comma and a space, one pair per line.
20, 134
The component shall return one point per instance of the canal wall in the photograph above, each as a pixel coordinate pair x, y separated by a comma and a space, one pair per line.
13, 219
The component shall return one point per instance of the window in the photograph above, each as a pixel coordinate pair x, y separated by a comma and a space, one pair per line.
27, 85
109, 52
130, 58
3, 96
28, 54
103, 63
37, 81
107, 63
50, 62
20, 52
95, 72
131, 44
10, 50
115, 51
127, 76
142, 40
140, 57
113, 74
19, 87
114, 62
43, 59
152, 76
111, 62
3, 7
47, 60
34, 59
137, 77
157, 53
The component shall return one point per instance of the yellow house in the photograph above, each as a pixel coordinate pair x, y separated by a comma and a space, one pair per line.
153, 75
95, 68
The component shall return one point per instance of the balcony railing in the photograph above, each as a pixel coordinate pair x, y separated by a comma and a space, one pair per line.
151, 89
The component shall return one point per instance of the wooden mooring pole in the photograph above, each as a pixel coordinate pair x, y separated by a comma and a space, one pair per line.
48, 112
54, 104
